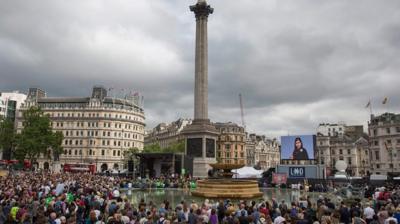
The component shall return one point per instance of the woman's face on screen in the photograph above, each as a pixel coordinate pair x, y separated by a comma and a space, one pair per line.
298, 144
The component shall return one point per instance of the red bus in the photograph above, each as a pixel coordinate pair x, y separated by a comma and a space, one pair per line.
79, 168
26, 165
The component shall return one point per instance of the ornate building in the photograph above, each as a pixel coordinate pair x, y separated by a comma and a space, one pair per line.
96, 129
263, 152
351, 146
231, 145
384, 133
167, 134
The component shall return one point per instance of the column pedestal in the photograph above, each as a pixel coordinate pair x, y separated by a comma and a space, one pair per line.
200, 145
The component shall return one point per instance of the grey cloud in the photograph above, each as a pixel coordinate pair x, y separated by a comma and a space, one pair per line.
297, 63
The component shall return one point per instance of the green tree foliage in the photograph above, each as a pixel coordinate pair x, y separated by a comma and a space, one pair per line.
37, 137
152, 148
56, 145
177, 147
128, 154
7, 135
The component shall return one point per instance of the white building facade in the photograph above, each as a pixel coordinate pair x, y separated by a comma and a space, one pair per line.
167, 134
97, 129
384, 132
10, 102
266, 152
350, 146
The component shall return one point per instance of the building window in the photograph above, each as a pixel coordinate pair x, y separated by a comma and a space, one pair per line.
348, 151
102, 152
113, 152
378, 166
375, 132
340, 151
388, 130
397, 129
389, 142
227, 146
391, 165
377, 155
349, 161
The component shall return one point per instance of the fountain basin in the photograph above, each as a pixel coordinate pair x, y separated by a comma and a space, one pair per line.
227, 188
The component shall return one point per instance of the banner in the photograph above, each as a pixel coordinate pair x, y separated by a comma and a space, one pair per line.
279, 178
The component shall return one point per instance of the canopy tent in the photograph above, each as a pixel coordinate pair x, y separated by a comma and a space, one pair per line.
247, 172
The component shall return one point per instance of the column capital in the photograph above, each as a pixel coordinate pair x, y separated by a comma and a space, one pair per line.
201, 10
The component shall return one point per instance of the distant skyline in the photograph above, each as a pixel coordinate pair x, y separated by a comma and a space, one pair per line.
296, 63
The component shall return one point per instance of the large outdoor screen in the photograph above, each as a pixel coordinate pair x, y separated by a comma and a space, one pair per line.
297, 147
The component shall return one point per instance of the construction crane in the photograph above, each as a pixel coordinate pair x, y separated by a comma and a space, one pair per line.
242, 111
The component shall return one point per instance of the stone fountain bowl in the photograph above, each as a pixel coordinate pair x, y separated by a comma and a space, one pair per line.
225, 166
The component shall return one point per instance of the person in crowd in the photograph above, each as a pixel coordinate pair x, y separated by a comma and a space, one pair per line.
48, 198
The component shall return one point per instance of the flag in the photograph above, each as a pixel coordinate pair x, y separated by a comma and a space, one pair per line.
385, 100
368, 104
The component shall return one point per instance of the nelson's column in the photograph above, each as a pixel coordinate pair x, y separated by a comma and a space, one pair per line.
201, 135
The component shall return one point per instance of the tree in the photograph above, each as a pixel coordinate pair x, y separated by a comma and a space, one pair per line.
56, 145
128, 154
152, 148
37, 137
177, 147
7, 137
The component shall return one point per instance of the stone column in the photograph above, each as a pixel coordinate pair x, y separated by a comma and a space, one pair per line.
201, 130
201, 11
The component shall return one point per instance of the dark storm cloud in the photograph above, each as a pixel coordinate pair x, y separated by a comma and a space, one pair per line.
297, 63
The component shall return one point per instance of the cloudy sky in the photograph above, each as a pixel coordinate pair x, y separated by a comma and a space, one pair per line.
297, 63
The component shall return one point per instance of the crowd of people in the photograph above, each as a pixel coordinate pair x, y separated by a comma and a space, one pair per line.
48, 198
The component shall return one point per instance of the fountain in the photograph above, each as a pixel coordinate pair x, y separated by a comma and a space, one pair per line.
223, 186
